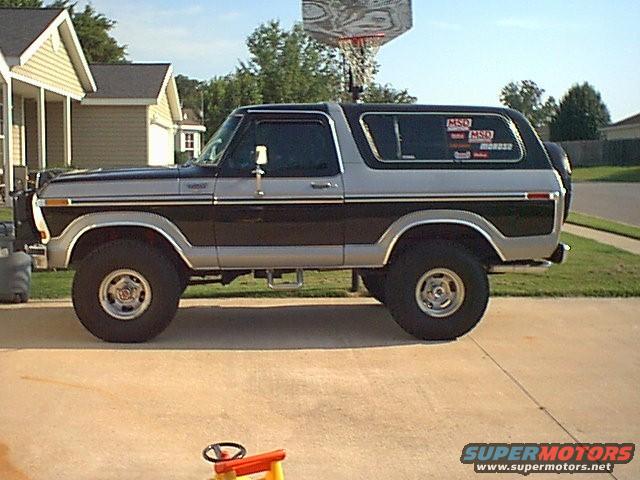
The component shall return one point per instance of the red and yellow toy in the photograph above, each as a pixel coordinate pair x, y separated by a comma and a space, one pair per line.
231, 463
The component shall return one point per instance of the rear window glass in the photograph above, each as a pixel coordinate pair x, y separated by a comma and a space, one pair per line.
421, 137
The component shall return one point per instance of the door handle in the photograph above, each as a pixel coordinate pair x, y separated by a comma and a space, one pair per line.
322, 186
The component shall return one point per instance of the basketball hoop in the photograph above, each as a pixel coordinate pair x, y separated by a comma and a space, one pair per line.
360, 52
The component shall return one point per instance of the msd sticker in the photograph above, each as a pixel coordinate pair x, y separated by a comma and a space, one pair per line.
462, 155
481, 136
459, 124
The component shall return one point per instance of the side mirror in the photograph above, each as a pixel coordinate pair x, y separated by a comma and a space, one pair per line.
261, 155
261, 160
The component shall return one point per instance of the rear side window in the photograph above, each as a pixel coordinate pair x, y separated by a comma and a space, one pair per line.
436, 137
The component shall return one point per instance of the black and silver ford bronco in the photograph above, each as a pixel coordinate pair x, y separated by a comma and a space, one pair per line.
423, 201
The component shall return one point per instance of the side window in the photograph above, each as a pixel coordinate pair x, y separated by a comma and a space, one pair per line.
426, 137
296, 148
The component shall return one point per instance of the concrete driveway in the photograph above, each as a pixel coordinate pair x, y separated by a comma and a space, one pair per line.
335, 382
615, 201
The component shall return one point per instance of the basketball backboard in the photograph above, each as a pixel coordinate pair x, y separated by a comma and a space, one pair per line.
330, 20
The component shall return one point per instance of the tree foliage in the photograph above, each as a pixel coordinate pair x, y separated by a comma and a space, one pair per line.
376, 93
93, 29
290, 66
581, 115
21, 3
284, 66
527, 97
222, 95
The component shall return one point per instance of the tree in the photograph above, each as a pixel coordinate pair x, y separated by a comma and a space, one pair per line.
191, 92
292, 67
581, 115
93, 29
527, 98
377, 93
222, 95
21, 3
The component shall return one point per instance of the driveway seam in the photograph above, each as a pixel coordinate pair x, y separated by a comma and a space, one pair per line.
529, 395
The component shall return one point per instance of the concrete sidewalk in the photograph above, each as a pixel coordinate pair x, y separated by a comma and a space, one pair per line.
334, 381
618, 241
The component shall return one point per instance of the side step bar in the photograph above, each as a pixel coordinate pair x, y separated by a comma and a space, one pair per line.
285, 285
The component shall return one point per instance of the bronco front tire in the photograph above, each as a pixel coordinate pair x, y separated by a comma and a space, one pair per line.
437, 291
126, 292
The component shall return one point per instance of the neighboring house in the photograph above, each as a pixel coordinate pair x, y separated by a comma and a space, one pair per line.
190, 133
627, 129
43, 72
56, 111
130, 120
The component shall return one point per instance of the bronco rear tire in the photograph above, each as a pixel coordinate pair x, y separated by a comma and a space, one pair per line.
437, 291
126, 292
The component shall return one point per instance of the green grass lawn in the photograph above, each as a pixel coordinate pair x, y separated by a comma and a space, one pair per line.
6, 214
593, 269
606, 174
605, 225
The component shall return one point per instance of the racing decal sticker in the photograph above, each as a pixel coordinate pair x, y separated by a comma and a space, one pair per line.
458, 136
496, 146
459, 124
481, 155
462, 155
481, 136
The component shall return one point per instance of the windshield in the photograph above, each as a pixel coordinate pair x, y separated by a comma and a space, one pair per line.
214, 149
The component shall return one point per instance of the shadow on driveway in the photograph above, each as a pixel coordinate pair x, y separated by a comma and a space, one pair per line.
315, 326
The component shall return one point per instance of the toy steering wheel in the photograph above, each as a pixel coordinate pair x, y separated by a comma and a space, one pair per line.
222, 456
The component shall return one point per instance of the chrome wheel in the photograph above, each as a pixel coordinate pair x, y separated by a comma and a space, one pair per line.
125, 294
440, 292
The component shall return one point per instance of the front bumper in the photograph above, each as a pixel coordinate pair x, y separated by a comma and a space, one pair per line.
558, 257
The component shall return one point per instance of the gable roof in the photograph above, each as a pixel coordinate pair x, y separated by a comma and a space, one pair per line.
190, 117
129, 80
633, 120
134, 84
20, 27
24, 30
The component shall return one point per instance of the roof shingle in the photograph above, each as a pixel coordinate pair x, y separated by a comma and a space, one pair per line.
633, 120
20, 27
128, 80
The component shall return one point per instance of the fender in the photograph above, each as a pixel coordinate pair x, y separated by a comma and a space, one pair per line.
508, 249
60, 248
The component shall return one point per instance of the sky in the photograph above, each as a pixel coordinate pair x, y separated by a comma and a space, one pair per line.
460, 52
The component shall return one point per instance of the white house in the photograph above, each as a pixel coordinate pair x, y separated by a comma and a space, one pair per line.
190, 134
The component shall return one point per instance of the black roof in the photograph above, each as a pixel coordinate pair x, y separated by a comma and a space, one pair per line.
412, 107
20, 27
128, 80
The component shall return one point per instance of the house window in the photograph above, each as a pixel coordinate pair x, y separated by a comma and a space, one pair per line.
189, 141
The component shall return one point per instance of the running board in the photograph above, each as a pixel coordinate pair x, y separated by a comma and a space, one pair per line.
285, 285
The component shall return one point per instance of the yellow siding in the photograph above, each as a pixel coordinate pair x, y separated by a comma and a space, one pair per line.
17, 130
162, 112
55, 135
1, 150
52, 67
109, 136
